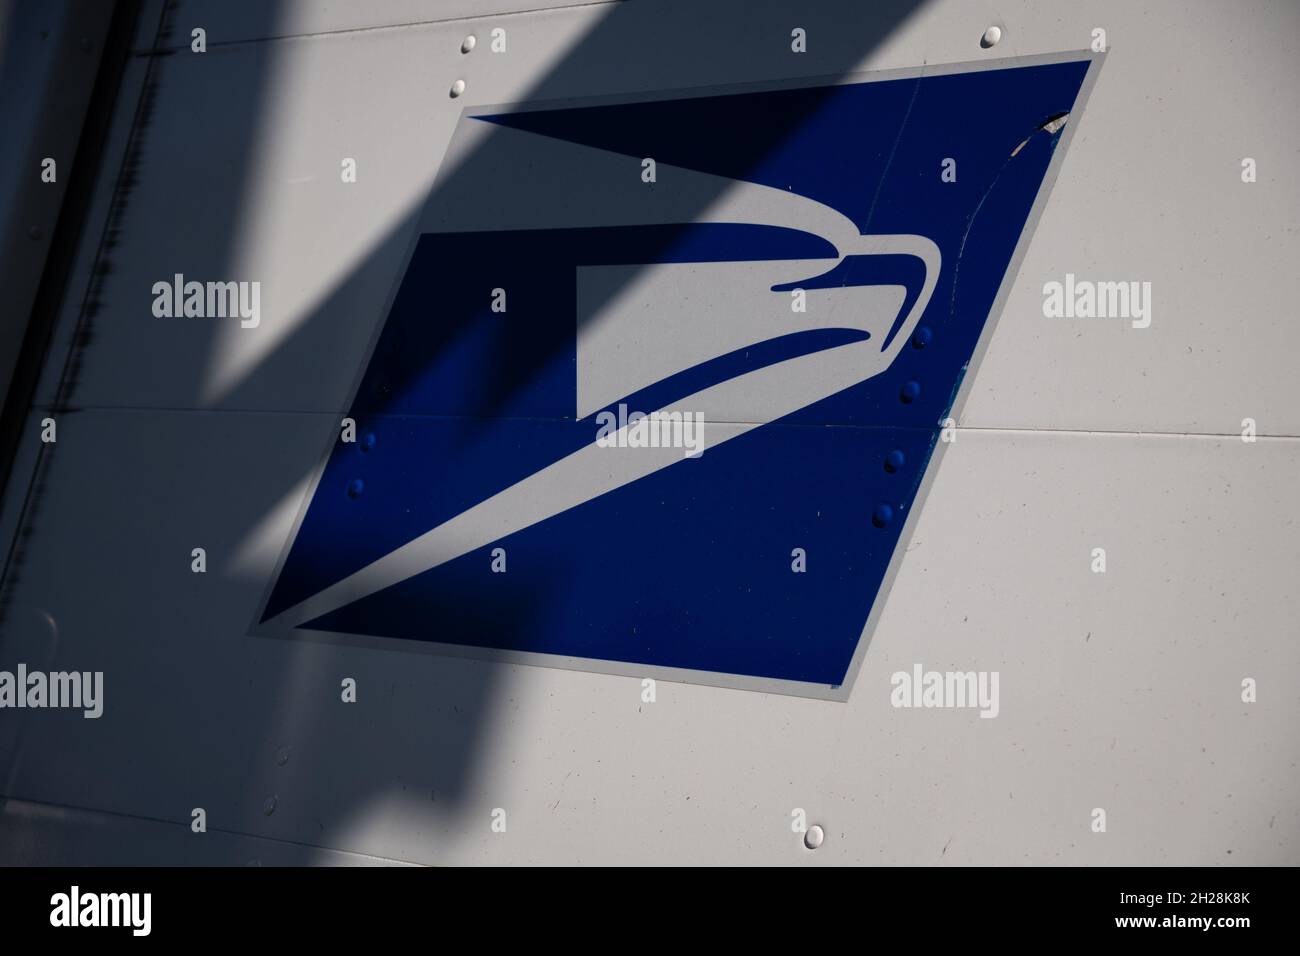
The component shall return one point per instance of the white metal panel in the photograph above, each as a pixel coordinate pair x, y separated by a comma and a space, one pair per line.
49, 56
271, 19
1118, 690
1151, 190
40, 834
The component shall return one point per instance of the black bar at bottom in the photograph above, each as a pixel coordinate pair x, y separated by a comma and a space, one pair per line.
440, 906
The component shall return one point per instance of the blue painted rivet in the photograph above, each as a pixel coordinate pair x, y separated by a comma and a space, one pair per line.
368, 441
355, 487
921, 338
882, 515
894, 461
910, 392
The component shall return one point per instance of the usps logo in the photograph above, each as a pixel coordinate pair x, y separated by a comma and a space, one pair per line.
783, 280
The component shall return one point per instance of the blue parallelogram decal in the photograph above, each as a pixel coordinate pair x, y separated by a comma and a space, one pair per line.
475, 427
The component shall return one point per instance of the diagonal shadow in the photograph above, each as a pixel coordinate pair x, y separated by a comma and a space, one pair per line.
443, 753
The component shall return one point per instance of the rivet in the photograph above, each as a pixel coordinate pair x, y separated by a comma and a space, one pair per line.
894, 461
457, 88
268, 808
922, 337
282, 757
911, 391
882, 515
468, 44
991, 37
355, 487
814, 837
368, 441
